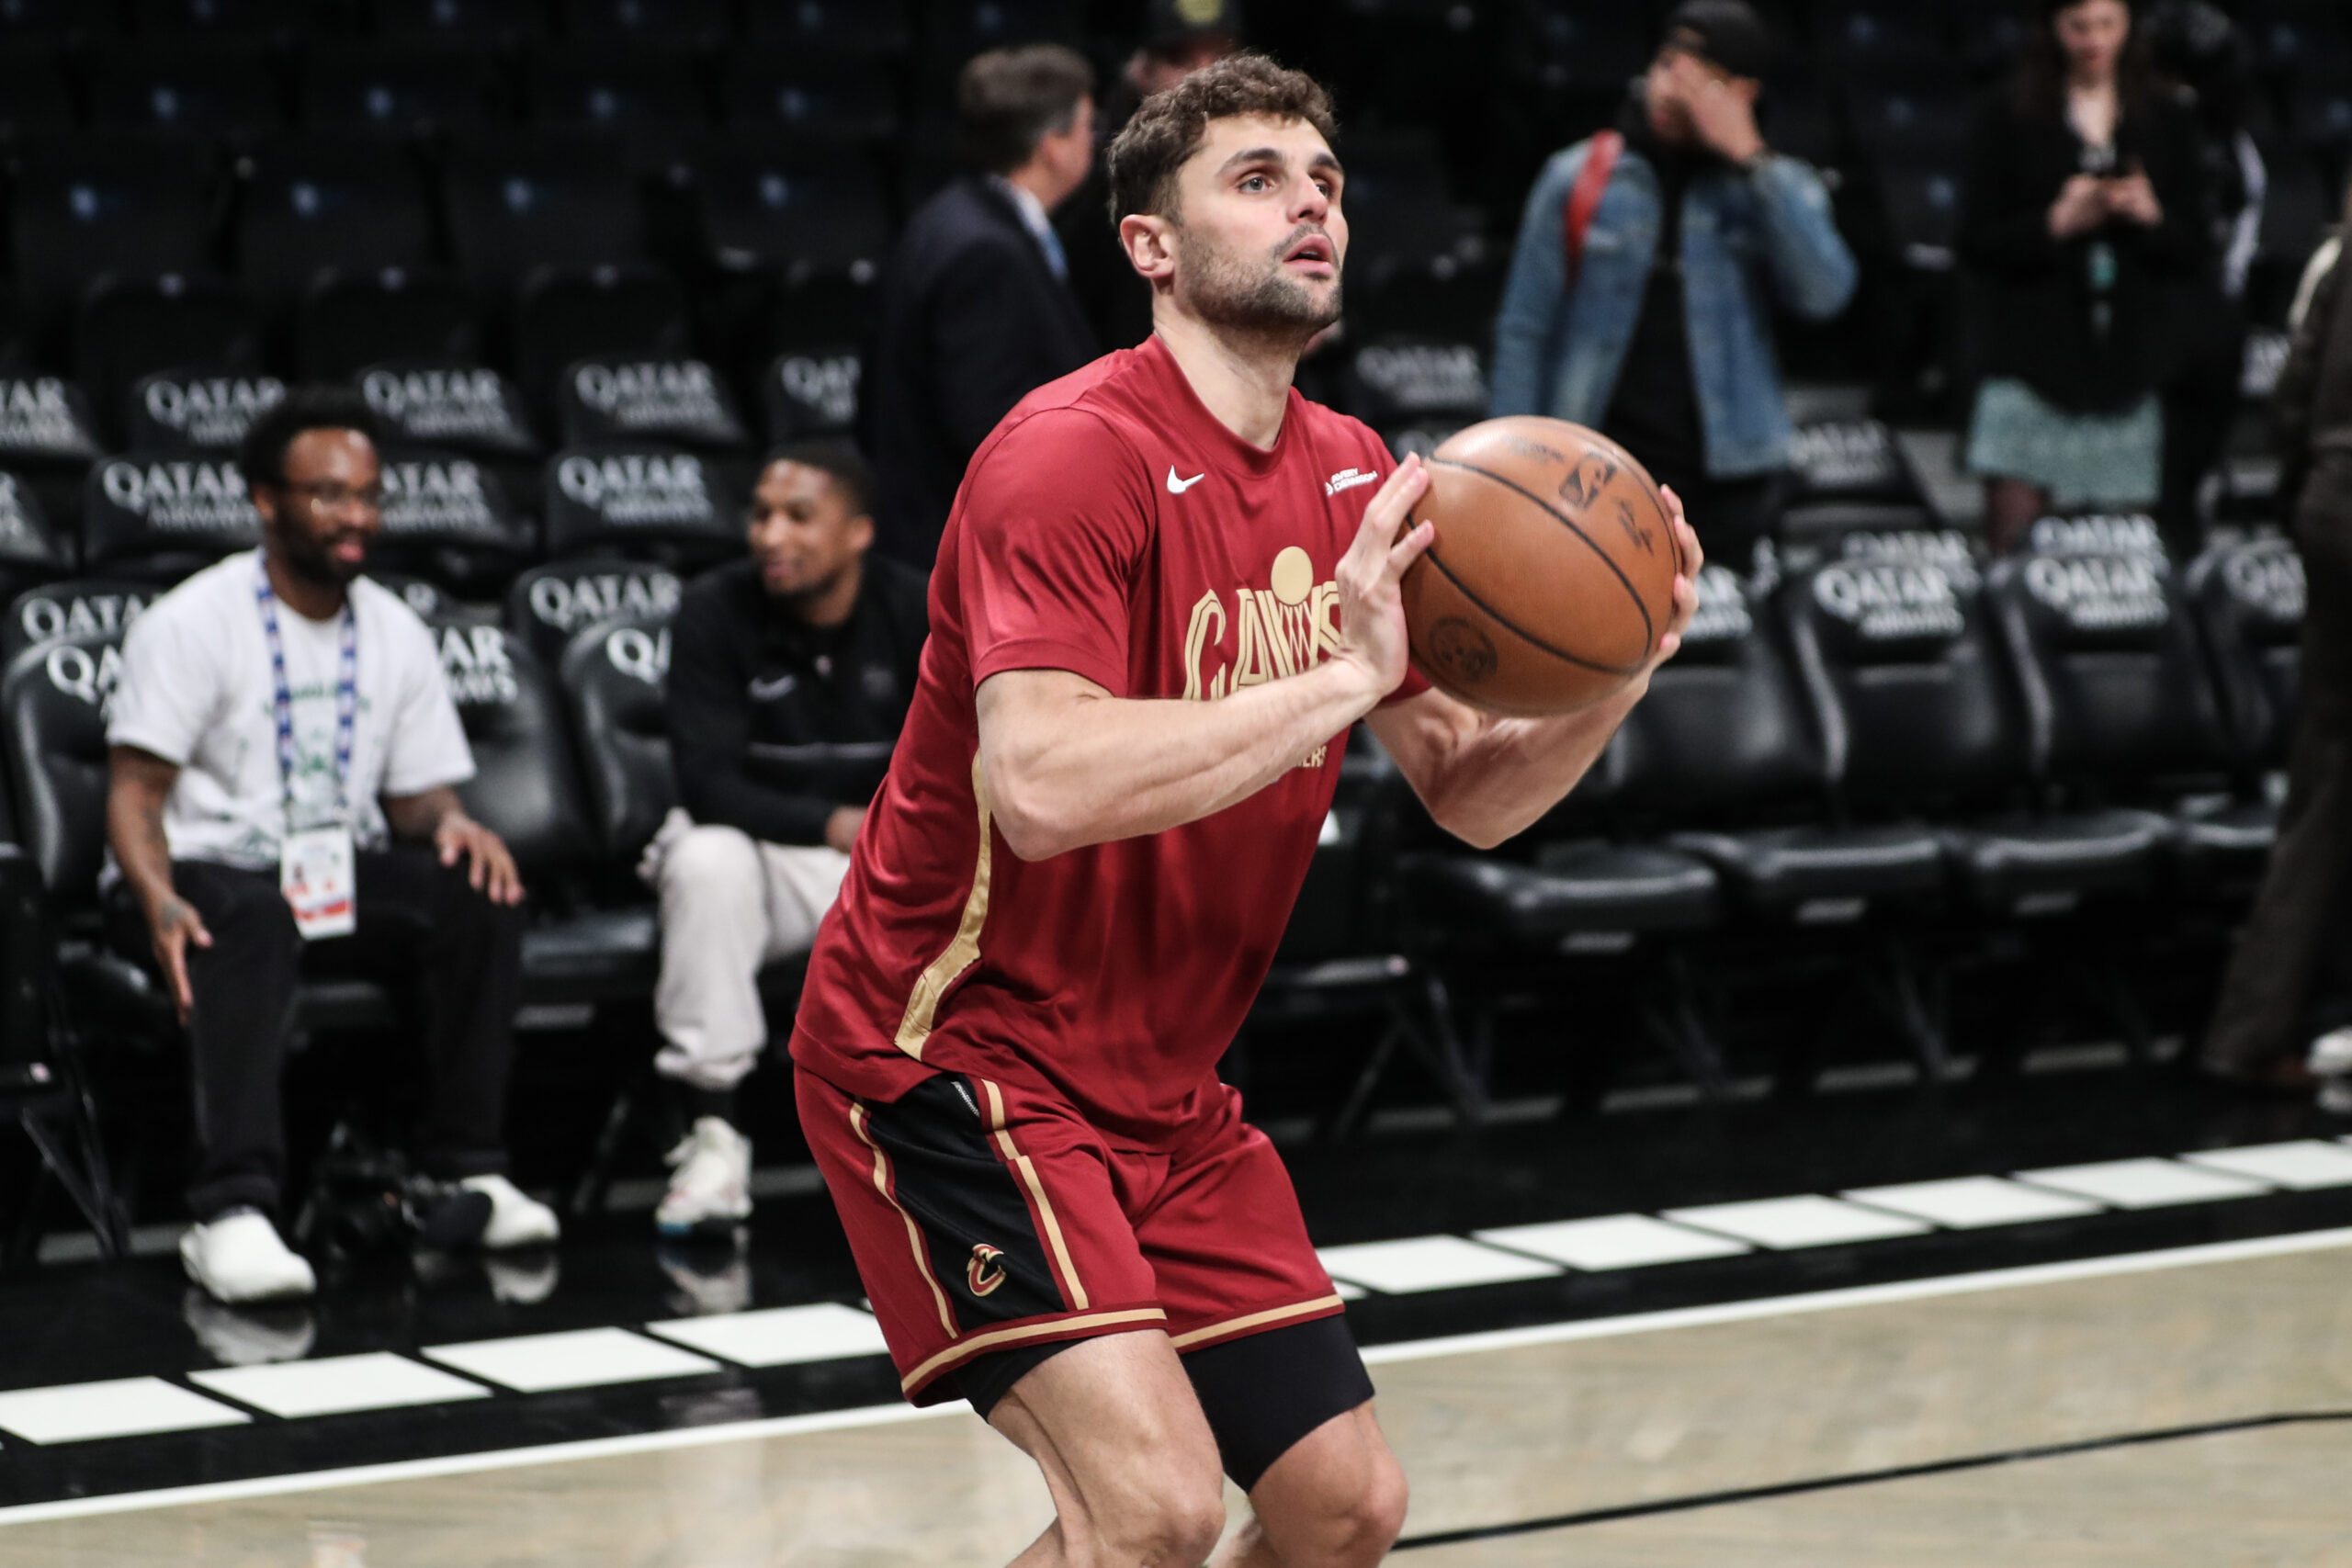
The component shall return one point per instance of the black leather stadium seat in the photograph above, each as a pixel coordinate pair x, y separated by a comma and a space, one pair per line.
698, 23
30, 546
644, 500
85, 206
548, 606
448, 519
198, 409
1849, 474
573, 313
605, 398
809, 98
497, 23
853, 29
347, 322
263, 20
811, 391
205, 86
644, 92
525, 789
2249, 598
75, 607
519, 201
132, 327
1905, 667
461, 404
395, 87
612, 678
163, 515
324, 202
760, 204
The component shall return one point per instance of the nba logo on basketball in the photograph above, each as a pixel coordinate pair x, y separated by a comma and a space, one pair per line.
982, 1272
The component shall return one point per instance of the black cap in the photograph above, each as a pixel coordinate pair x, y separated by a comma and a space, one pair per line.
1168, 23
1727, 34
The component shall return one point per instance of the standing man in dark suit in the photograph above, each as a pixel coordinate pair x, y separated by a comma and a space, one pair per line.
977, 308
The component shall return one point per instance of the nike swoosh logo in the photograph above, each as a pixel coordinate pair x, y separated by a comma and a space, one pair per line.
1176, 485
768, 691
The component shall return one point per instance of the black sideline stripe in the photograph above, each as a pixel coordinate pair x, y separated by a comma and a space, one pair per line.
1872, 1477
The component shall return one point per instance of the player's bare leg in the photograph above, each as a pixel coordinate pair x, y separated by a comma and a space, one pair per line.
1126, 1453
1335, 1500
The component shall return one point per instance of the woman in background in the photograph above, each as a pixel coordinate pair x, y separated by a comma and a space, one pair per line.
2082, 222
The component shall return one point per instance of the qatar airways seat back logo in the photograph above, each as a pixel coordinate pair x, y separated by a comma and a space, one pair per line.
468, 406
193, 410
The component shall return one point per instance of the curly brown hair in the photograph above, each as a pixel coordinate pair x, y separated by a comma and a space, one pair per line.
1170, 126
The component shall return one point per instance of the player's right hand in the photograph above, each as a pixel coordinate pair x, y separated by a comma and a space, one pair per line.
173, 925
1371, 608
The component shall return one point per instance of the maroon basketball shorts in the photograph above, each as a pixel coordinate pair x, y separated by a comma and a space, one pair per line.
987, 1219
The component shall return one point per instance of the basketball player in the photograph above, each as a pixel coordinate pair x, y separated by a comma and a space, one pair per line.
1168, 589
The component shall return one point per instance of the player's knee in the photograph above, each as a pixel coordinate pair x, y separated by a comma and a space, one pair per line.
1378, 1517
1354, 1526
1174, 1524
706, 858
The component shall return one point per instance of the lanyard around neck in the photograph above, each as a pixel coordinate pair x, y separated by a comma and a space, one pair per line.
347, 695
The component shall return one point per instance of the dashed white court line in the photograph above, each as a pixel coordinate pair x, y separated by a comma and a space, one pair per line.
376, 1380
118, 1408
2143, 1183
1973, 1202
779, 1337
2305, 1165
1786, 1223
584, 1358
1428, 1263
1454, 1345
1613, 1241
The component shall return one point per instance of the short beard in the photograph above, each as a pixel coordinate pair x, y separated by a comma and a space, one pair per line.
1257, 302
307, 559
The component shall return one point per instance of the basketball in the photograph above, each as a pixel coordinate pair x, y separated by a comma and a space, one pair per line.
1552, 576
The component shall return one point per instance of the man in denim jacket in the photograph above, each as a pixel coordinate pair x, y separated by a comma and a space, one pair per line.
1663, 337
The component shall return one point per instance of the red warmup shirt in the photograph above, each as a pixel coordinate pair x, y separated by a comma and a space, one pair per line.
1109, 527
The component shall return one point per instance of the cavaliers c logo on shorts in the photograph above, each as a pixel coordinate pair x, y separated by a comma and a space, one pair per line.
982, 1272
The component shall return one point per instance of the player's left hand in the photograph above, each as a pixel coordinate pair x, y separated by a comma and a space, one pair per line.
492, 870
1686, 581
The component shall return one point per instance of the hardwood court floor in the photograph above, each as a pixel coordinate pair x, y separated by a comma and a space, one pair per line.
1512, 1430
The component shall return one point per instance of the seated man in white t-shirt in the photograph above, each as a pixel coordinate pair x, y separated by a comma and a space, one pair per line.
283, 750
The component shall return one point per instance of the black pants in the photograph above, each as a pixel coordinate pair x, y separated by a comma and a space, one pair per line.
1730, 516
2292, 940
2200, 406
415, 918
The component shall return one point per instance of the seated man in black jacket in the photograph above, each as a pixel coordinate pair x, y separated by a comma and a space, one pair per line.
790, 673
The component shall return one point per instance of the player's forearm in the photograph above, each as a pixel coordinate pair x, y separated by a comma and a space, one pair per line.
1501, 775
1068, 765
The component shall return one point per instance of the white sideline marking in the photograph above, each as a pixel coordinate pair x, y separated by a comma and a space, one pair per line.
1455, 1345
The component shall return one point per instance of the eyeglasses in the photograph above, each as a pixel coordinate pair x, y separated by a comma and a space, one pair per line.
333, 495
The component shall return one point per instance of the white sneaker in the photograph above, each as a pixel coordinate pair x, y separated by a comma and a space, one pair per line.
2331, 1054
238, 1257
515, 1220
711, 1188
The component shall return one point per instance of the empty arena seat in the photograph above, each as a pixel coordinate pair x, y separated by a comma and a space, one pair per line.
34, 92
612, 678
1414, 388
206, 85
1850, 474
520, 201
548, 606
75, 607
700, 23
1905, 668
500, 23
761, 204
197, 409
837, 28
643, 92
638, 499
955, 30
318, 202
2249, 598
448, 519
52, 702
347, 322
82, 207
432, 604
400, 87
165, 514
57, 21
465, 406
567, 314
31, 550
525, 789
45, 419
203, 18
130, 328
808, 97
811, 391
607, 398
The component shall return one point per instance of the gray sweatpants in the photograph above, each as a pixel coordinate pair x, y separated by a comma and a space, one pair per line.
730, 903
